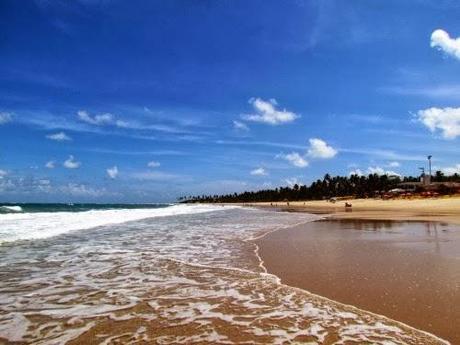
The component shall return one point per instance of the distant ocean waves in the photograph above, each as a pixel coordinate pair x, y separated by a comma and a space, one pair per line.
35, 221
71, 207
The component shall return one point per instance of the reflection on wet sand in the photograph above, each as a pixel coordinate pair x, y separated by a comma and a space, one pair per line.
409, 271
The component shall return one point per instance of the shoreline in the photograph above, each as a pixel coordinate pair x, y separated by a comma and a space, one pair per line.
443, 209
257, 244
266, 256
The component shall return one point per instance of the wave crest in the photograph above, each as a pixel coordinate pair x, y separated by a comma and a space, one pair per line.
10, 209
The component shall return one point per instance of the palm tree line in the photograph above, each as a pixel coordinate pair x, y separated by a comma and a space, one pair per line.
357, 186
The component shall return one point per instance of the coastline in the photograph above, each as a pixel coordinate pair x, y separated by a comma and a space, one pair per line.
279, 252
443, 209
350, 307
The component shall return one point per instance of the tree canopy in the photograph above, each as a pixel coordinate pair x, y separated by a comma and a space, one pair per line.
328, 187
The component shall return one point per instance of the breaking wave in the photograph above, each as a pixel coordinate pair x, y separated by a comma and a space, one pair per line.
10, 209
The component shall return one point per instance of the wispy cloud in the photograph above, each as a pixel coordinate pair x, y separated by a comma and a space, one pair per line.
295, 159
136, 153
384, 154
292, 181
109, 119
24, 185
81, 190
266, 112
29, 76
98, 120
260, 143
32, 185
380, 171
157, 176
259, 172
446, 120
61, 136
441, 40
356, 171
71, 163
447, 91
5, 117
451, 170
373, 119
50, 165
108, 124
153, 164
240, 126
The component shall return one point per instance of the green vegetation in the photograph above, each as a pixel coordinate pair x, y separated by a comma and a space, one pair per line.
337, 186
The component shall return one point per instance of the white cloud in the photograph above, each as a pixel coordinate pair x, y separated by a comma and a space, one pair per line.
384, 154
5, 117
451, 170
108, 119
295, 159
446, 91
81, 190
99, 120
70, 163
373, 170
112, 172
240, 126
292, 181
376, 170
32, 185
380, 171
50, 164
156, 176
266, 112
153, 164
446, 120
259, 172
356, 172
394, 164
3, 173
320, 149
21, 185
441, 40
61, 136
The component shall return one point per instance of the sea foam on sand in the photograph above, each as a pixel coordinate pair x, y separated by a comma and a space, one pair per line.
188, 276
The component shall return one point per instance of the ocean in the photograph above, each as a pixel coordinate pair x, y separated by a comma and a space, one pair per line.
162, 274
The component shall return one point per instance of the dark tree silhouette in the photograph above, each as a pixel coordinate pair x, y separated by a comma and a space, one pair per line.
337, 186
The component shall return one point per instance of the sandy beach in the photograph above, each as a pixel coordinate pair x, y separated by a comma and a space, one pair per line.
443, 209
398, 258
408, 271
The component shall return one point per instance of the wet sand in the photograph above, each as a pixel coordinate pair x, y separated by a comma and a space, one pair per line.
408, 271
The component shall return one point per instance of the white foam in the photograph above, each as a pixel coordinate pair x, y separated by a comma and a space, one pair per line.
26, 226
14, 209
13, 327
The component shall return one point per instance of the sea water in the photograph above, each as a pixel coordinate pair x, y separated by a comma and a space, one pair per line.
162, 274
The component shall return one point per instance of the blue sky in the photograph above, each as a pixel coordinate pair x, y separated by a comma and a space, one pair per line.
144, 101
